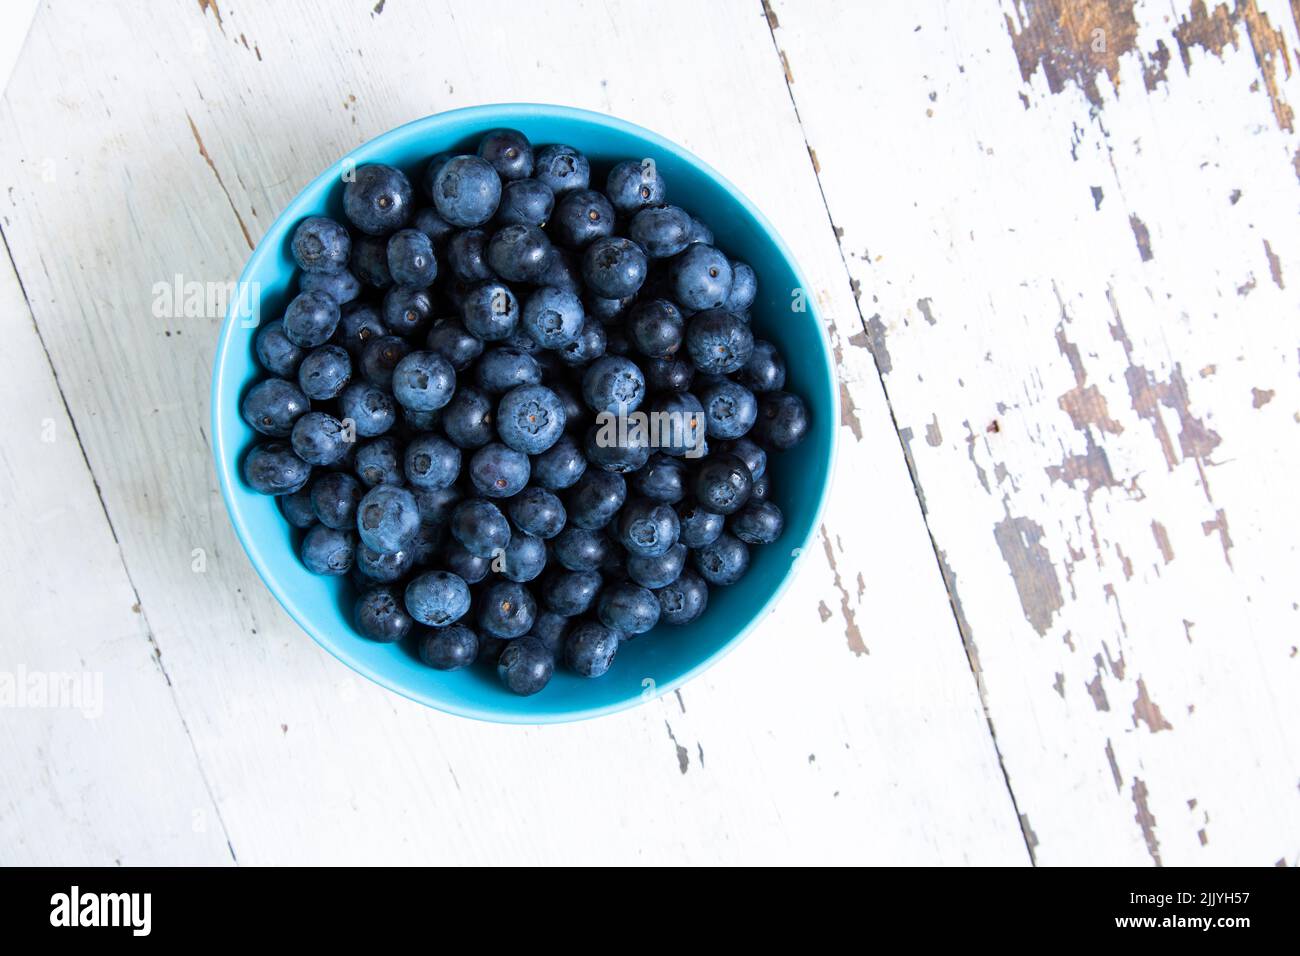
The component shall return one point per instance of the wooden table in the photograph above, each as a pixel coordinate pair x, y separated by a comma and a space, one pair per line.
1053, 613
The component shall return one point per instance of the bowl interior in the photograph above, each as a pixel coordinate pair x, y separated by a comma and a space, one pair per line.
653, 663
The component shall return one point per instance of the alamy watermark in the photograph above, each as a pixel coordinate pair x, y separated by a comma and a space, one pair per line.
53, 690
682, 431
183, 298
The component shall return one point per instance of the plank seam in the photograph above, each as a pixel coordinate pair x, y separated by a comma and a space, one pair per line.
962, 631
121, 555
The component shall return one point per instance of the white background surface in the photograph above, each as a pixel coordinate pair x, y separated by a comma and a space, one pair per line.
1054, 616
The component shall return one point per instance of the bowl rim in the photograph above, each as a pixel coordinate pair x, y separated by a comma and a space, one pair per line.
225, 463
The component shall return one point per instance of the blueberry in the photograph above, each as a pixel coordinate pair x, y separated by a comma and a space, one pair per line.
297, 508
765, 369
481, 527
662, 231
325, 372
762, 488
508, 152
723, 484
498, 471
431, 462
700, 233
342, 286
450, 340
525, 666
668, 375
428, 544
377, 200
490, 311
722, 562
506, 610
656, 328
378, 463
430, 175
562, 168
407, 311
381, 617
699, 525
530, 419
321, 245
564, 272
432, 225
613, 384
552, 317
744, 287
609, 450
410, 258
275, 351
571, 593
759, 522
379, 357
467, 256
537, 511
590, 648
467, 418
387, 518
503, 368
334, 500
581, 217
581, 550
436, 504
519, 253
701, 277
633, 185
685, 425
371, 410
524, 558
719, 341
272, 468
449, 648
525, 202
273, 405
551, 629
729, 409
469, 567
614, 267
384, 566
559, 466
311, 319
684, 600
628, 608
662, 479
466, 191
586, 348
595, 499
782, 420
320, 439
647, 528
423, 381
748, 451
360, 322
437, 598
369, 261
605, 311
659, 570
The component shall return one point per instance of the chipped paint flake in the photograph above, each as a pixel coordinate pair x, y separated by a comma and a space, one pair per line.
852, 634
1073, 41
1146, 711
1021, 542
1146, 819
1161, 534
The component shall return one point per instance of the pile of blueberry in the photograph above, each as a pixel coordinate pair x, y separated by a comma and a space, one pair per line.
452, 409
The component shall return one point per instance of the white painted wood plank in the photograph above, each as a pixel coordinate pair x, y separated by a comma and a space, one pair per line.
1087, 310
98, 767
799, 746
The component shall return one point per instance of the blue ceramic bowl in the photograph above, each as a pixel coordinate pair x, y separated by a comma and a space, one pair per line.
654, 663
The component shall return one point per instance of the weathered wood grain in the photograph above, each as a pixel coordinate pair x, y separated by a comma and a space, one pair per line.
1073, 228
847, 729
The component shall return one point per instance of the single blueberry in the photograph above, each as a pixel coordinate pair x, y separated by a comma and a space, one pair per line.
581, 217
562, 168
699, 525
369, 261
700, 233
450, 340
275, 351
581, 550
273, 405
525, 666
571, 593
662, 479
321, 245
730, 410
467, 256
506, 609
387, 518
759, 522
530, 419
377, 199
342, 286
297, 508
586, 348
559, 466
359, 323
410, 258
718, 341
647, 528
662, 231
552, 317
594, 500
765, 369
407, 311
490, 311
460, 562
613, 384
684, 600
430, 174
466, 191
525, 202
723, 483
744, 287
436, 504
724, 561
701, 277
610, 448
437, 598
428, 221
519, 253
524, 557
762, 488
423, 381
633, 185
480, 527
379, 357
449, 648
503, 368
467, 420
431, 462
656, 328
498, 471
272, 468
325, 372
334, 499
311, 319
628, 608
384, 566
381, 617
682, 425
668, 375
378, 462
320, 439
748, 451
564, 272
605, 311
614, 267
508, 152
589, 648
537, 511
551, 629
659, 570
782, 420
370, 410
